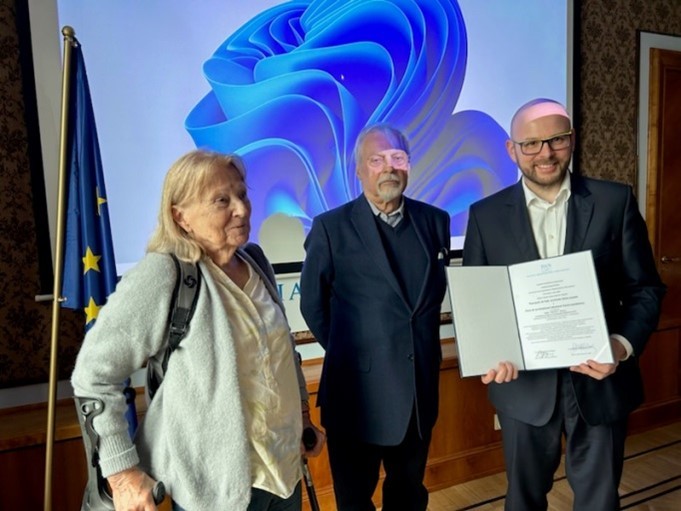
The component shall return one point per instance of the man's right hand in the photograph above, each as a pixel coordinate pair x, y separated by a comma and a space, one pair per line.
504, 373
132, 490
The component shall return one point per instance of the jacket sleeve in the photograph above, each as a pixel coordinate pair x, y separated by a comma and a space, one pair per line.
315, 282
642, 290
447, 235
473, 249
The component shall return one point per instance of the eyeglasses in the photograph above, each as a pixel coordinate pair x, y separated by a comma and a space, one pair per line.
556, 143
397, 159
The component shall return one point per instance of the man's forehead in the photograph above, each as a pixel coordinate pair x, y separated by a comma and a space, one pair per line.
391, 151
533, 116
543, 109
537, 111
381, 140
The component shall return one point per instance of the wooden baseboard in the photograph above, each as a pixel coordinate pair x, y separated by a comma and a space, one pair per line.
654, 415
464, 466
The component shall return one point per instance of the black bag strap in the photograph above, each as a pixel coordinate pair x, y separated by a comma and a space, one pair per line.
183, 304
182, 307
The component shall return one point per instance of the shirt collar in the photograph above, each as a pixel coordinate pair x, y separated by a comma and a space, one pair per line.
377, 212
563, 193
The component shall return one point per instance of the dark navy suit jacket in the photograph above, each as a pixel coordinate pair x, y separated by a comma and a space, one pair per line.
382, 356
602, 217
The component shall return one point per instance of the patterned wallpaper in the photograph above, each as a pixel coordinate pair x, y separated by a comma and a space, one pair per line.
25, 326
607, 106
608, 96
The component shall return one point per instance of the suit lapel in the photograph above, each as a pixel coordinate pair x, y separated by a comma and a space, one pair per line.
580, 211
418, 220
363, 221
519, 223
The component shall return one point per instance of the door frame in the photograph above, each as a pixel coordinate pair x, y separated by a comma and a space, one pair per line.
646, 41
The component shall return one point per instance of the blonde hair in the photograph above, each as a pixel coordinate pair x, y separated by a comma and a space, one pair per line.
184, 182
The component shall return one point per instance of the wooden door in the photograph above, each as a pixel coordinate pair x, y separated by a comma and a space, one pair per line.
663, 211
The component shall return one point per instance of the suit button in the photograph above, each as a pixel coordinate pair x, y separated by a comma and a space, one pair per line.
411, 357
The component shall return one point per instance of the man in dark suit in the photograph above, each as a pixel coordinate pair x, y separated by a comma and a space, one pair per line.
551, 212
371, 289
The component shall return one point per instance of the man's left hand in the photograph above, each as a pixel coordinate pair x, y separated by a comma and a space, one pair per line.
598, 370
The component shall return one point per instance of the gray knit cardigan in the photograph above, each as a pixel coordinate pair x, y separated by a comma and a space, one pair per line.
193, 436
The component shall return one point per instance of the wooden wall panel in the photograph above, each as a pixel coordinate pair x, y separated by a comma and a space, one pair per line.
22, 476
661, 369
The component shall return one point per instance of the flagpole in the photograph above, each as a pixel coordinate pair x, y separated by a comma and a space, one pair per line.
69, 38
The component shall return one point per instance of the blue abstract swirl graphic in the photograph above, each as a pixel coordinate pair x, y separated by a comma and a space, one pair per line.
292, 88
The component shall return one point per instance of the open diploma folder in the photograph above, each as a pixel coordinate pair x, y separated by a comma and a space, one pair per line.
540, 314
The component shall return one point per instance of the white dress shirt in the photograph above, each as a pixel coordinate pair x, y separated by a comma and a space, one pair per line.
549, 226
268, 383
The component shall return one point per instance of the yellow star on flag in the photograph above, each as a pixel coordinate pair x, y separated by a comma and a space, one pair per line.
100, 201
91, 311
90, 261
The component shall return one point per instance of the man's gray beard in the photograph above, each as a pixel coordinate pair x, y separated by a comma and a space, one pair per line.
390, 193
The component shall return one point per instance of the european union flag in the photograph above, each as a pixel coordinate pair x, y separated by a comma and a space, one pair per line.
89, 275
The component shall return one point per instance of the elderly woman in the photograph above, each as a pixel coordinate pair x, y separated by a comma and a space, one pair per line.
224, 429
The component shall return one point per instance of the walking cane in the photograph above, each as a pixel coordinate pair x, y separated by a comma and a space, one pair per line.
309, 441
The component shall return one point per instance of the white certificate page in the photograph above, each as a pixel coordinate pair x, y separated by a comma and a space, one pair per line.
483, 316
559, 312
